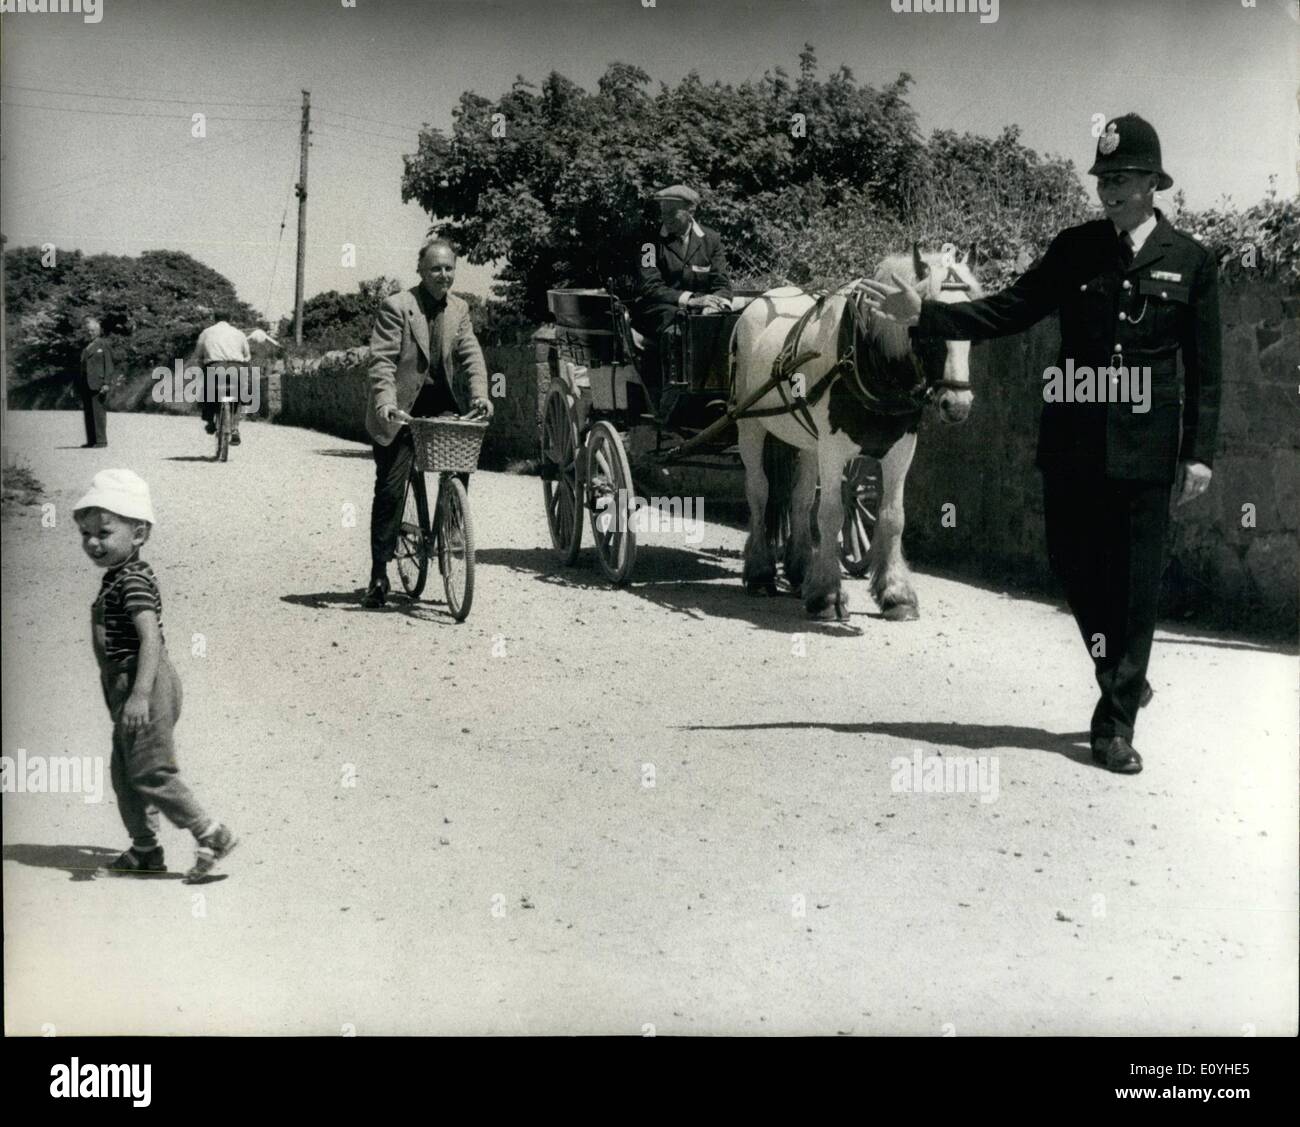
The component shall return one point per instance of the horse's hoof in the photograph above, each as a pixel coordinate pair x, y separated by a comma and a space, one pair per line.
761, 588
901, 612
823, 608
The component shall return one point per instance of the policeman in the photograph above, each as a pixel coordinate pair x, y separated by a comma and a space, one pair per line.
681, 267
1131, 294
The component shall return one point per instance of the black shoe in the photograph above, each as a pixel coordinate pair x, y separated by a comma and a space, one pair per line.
234, 439
1116, 754
375, 593
140, 861
1147, 693
210, 428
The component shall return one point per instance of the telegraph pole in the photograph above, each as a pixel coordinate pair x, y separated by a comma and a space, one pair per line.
301, 190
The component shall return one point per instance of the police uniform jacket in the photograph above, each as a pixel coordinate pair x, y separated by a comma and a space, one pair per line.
1163, 303
96, 365
701, 269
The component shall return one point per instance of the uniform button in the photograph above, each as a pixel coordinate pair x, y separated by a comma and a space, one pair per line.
1127, 284
1119, 348
1123, 316
1164, 293
1083, 288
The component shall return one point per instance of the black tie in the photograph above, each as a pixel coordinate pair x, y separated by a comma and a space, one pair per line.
1125, 249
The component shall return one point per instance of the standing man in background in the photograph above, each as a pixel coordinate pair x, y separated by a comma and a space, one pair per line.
94, 376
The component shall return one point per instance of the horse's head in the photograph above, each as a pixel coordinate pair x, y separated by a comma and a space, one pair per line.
939, 276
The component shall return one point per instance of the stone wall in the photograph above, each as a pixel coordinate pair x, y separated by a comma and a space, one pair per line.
330, 393
1229, 565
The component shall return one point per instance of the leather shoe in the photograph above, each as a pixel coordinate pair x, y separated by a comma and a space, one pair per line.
1116, 754
375, 594
1147, 693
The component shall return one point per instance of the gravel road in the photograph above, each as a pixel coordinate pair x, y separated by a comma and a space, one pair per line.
597, 810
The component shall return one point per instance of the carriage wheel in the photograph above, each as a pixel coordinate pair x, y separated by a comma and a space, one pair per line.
560, 474
411, 554
860, 496
610, 493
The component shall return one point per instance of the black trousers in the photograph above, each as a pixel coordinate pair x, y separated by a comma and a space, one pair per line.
208, 409
1105, 542
652, 324
392, 468
94, 413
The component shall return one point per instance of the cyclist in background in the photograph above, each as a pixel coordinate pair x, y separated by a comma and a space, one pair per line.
221, 345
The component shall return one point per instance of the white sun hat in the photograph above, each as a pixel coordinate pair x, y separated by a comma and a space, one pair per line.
119, 491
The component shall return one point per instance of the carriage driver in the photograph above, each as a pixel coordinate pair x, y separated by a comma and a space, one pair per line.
679, 267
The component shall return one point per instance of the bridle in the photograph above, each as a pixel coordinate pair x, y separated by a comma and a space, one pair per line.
846, 366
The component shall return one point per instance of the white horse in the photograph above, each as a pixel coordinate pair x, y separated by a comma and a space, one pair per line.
857, 385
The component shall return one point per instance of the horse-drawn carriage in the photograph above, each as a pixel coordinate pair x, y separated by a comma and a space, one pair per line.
599, 408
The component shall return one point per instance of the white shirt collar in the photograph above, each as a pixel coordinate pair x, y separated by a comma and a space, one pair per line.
1140, 233
694, 229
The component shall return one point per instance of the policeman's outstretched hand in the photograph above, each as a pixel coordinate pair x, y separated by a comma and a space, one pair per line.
899, 303
1193, 480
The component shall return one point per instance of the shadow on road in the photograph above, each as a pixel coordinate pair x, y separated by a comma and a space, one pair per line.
341, 452
697, 585
81, 862
191, 458
977, 737
350, 601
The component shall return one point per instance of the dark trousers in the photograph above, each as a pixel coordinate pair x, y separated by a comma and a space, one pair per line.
652, 325
392, 468
209, 410
95, 414
146, 778
1105, 542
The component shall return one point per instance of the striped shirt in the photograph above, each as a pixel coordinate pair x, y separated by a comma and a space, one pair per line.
125, 591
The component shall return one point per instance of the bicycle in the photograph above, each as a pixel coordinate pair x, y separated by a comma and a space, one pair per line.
225, 427
447, 446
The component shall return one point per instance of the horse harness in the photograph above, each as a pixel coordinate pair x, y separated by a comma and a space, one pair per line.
790, 359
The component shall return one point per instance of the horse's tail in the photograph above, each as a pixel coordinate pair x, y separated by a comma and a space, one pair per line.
780, 465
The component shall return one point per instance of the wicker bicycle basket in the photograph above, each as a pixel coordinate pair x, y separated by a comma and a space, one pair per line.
447, 445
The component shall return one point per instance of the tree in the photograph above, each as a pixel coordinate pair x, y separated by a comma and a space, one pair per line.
333, 320
151, 308
556, 180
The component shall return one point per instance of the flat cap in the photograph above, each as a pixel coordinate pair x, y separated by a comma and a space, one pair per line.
678, 192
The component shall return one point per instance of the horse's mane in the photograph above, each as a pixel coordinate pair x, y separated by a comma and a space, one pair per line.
893, 340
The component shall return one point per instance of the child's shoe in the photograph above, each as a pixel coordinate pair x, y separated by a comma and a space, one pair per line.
140, 861
212, 848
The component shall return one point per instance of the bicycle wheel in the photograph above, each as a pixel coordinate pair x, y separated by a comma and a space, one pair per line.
223, 433
413, 537
455, 538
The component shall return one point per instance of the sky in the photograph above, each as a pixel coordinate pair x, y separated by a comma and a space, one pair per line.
96, 151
